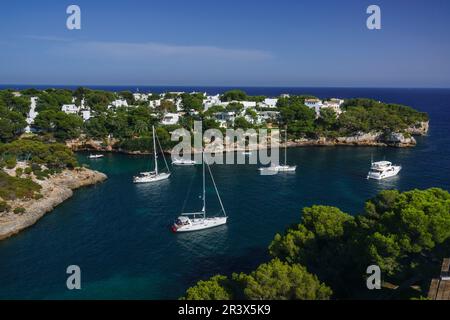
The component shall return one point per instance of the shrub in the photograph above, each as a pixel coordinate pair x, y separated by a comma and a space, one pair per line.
19, 210
52, 155
19, 172
12, 188
28, 170
11, 163
4, 206
37, 196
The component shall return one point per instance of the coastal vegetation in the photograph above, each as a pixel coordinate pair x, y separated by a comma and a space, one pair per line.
12, 188
127, 125
13, 112
359, 115
327, 253
55, 156
28, 159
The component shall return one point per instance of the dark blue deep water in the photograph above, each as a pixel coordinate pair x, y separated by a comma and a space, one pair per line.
117, 232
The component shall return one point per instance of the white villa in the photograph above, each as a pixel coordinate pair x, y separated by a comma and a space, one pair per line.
119, 103
140, 97
83, 111
154, 103
318, 104
211, 101
70, 109
170, 119
247, 104
268, 103
86, 114
334, 104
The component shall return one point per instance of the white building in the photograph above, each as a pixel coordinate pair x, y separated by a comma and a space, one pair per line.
70, 109
268, 103
211, 101
154, 103
32, 114
170, 119
315, 104
86, 114
140, 97
119, 103
247, 104
271, 102
334, 104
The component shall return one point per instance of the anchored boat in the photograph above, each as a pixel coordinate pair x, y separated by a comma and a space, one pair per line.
196, 221
153, 176
281, 168
95, 156
382, 170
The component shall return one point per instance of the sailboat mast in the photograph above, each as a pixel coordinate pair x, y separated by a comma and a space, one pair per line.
285, 147
154, 150
204, 187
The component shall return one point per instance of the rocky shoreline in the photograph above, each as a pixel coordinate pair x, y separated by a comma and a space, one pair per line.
371, 139
55, 190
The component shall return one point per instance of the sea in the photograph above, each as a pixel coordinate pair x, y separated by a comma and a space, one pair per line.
118, 232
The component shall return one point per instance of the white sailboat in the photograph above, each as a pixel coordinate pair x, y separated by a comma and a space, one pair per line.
153, 176
281, 168
196, 221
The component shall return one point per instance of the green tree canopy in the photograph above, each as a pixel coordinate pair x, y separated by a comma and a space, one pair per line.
278, 280
234, 95
213, 289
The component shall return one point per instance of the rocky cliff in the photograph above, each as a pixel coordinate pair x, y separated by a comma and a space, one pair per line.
55, 190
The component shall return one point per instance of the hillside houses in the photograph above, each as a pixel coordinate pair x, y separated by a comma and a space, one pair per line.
318, 104
168, 107
118, 103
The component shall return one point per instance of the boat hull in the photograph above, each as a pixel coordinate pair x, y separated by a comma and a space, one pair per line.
184, 163
287, 168
279, 169
386, 174
151, 179
201, 224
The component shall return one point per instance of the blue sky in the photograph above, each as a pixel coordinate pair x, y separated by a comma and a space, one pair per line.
230, 43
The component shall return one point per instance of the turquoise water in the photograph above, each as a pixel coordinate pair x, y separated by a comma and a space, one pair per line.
117, 232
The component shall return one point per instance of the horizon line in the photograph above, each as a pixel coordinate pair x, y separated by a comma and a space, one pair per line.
216, 86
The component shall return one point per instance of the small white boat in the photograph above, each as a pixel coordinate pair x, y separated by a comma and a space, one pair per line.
382, 170
280, 168
95, 156
153, 176
183, 162
247, 153
286, 168
188, 222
